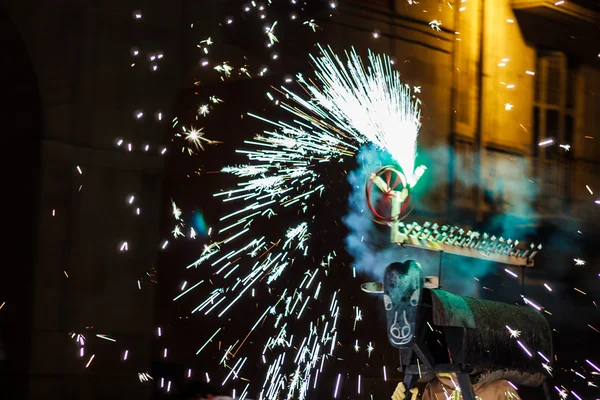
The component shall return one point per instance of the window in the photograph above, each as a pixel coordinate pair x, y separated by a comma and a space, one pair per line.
536, 132
553, 118
555, 88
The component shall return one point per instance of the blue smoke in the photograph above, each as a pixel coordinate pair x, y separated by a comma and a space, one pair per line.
514, 196
367, 242
511, 197
199, 224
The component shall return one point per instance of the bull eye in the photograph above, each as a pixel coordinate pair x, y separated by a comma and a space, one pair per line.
414, 299
387, 302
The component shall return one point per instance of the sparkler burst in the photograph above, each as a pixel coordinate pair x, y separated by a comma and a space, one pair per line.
194, 139
349, 106
266, 266
372, 105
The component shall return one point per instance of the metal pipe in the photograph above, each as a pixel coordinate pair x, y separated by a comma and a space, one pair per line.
454, 98
478, 133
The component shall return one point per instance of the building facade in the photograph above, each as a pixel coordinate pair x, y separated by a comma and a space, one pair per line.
496, 77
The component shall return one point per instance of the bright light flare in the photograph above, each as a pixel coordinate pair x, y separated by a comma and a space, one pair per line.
371, 104
349, 105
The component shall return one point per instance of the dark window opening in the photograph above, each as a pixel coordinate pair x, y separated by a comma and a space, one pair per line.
536, 132
569, 133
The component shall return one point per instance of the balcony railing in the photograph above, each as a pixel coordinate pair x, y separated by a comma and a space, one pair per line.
555, 9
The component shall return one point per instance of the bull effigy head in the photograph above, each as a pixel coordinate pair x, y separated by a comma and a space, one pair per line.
402, 286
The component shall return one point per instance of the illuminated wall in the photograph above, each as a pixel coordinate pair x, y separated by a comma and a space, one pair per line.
520, 81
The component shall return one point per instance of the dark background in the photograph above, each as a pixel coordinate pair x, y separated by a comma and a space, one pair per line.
40, 360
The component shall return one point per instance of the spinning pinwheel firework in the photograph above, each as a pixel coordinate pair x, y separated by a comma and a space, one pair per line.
350, 106
267, 286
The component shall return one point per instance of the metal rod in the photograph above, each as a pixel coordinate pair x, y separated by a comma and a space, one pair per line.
522, 281
440, 270
479, 151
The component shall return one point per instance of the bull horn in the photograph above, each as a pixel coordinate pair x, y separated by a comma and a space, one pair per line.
372, 287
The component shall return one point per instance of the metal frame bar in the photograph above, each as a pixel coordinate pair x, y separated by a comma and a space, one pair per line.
460, 242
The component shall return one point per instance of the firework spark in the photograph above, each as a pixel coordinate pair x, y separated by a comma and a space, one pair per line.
194, 138
349, 106
372, 106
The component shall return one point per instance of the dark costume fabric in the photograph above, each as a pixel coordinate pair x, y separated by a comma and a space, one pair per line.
485, 342
442, 388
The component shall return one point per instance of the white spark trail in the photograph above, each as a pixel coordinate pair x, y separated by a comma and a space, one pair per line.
348, 106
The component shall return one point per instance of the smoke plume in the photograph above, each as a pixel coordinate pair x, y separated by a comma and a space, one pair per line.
510, 196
